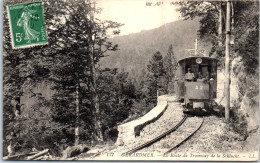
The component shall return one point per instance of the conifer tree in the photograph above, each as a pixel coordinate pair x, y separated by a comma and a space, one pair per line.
68, 63
22, 71
155, 80
170, 66
82, 41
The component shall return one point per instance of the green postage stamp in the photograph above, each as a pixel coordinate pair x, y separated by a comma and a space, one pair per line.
27, 25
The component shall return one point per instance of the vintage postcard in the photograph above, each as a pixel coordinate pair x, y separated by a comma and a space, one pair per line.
132, 80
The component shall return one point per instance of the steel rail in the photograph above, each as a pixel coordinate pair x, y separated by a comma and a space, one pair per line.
183, 141
157, 138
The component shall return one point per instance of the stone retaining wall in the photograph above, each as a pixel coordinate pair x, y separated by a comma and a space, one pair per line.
128, 131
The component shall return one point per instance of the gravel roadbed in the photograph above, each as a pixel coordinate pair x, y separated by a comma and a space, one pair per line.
186, 129
172, 116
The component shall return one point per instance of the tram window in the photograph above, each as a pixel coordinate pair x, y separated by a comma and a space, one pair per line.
204, 72
195, 70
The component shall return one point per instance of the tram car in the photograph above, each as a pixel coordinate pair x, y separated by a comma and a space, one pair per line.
197, 86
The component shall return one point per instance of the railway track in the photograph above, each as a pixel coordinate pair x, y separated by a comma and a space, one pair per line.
157, 138
184, 140
170, 133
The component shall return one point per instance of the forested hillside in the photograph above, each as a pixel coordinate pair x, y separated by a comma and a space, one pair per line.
135, 50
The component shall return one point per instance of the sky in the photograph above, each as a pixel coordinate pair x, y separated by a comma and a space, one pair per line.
136, 15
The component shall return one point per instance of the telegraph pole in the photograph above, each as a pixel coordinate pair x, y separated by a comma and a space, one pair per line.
227, 70
196, 48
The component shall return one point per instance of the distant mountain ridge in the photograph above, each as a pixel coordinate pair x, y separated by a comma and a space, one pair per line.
137, 49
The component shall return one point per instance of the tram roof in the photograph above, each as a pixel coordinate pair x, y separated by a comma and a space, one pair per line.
195, 57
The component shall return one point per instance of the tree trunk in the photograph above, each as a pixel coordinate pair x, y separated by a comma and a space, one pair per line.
232, 17
220, 29
77, 114
17, 106
98, 126
17, 112
97, 118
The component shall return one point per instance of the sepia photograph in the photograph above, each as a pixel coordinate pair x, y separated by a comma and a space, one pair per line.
132, 80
